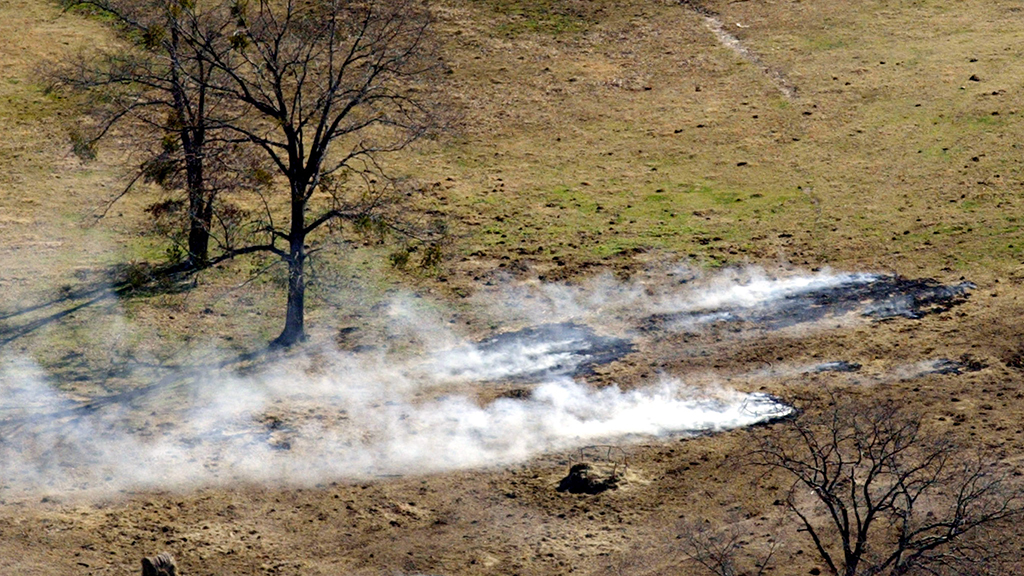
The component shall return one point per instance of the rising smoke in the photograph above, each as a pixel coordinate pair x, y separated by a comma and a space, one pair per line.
346, 415
288, 427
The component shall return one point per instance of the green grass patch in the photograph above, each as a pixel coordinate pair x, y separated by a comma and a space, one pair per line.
540, 16
825, 43
615, 246
979, 120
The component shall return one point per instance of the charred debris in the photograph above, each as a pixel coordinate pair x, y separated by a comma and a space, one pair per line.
879, 298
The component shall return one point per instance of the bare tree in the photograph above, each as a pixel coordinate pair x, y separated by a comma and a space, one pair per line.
877, 495
327, 88
157, 87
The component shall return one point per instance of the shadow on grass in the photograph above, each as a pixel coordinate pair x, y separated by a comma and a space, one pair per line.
162, 377
118, 283
123, 281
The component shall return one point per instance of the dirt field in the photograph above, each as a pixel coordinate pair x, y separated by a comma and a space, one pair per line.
613, 159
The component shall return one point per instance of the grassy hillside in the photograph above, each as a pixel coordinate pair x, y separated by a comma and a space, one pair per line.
626, 137
604, 136
883, 158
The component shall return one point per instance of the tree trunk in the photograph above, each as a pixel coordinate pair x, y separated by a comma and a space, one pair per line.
200, 202
199, 222
192, 133
294, 321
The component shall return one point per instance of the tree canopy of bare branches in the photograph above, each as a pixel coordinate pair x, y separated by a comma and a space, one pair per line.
878, 495
156, 85
722, 551
326, 88
294, 101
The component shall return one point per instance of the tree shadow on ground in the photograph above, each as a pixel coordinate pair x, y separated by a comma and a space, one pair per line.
122, 376
119, 282
137, 381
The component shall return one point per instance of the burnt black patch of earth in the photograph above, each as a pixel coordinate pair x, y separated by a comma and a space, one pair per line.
549, 350
965, 364
878, 297
837, 366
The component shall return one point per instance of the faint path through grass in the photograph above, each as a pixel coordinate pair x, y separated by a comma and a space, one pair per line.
733, 43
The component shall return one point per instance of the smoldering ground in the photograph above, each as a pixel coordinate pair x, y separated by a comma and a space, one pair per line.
328, 415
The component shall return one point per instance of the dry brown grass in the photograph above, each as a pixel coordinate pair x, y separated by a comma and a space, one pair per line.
646, 116
615, 136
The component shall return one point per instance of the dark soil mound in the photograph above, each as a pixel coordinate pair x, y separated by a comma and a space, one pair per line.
585, 479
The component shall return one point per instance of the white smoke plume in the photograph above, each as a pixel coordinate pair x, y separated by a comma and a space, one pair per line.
291, 428
604, 299
341, 415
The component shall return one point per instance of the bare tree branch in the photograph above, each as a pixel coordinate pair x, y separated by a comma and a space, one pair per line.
895, 499
311, 76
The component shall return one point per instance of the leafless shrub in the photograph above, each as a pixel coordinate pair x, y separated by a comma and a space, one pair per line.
877, 494
723, 551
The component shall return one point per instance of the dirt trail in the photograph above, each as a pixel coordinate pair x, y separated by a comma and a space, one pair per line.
725, 38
